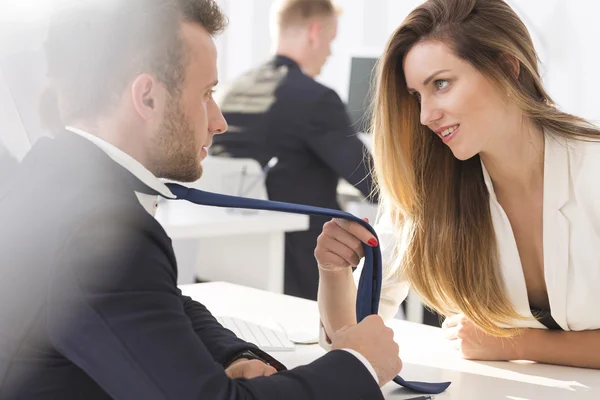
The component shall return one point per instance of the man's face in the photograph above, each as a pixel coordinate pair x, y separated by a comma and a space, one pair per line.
192, 118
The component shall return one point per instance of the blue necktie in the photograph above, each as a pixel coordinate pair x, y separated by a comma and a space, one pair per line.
369, 287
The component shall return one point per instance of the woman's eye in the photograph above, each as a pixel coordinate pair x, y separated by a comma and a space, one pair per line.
441, 84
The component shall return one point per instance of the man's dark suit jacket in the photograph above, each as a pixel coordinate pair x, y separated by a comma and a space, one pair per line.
278, 111
89, 307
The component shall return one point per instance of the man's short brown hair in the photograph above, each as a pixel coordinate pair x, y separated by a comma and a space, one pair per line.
297, 12
95, 47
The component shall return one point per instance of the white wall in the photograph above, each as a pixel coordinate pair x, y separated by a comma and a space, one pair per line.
565, 33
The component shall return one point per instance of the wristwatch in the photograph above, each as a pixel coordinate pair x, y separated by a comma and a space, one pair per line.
247, 354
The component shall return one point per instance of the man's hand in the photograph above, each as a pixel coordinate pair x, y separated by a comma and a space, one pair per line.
248, 369
474, 344
375, 342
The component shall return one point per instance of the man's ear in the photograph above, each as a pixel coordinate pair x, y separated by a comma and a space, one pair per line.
314, 31
144, 95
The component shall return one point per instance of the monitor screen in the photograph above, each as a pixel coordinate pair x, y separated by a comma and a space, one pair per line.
362, 74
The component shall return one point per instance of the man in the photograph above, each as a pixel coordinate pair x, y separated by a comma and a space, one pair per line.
279, 110
89, 306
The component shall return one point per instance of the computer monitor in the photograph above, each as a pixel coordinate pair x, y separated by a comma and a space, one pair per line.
362, 75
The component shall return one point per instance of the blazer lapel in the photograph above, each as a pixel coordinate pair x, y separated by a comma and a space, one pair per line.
556, 225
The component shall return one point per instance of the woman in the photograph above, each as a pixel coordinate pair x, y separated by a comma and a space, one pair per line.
490, 193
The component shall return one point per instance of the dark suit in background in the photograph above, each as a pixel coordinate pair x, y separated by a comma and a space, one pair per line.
278, 111
89, 307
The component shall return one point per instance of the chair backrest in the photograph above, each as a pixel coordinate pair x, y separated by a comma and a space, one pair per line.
233, 176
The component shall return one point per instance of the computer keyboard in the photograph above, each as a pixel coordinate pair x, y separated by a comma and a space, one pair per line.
266, 339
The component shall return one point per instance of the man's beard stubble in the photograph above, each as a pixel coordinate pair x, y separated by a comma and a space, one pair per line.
176, 153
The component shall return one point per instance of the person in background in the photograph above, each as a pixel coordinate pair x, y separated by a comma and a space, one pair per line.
89, 303
490, 193
280, 110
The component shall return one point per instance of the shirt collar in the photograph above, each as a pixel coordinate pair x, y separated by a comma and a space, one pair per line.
285, 60
127, 162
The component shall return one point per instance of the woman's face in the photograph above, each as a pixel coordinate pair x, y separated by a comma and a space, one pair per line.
459, 104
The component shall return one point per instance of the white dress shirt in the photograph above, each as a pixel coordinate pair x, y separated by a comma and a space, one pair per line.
150, 202
571, 240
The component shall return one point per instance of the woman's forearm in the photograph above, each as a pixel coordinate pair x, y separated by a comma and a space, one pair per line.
337, 299
575, 349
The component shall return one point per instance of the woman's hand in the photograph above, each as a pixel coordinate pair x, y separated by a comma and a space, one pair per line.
474, 344
340, 244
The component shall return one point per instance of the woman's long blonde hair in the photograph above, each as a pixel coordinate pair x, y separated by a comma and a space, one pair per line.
445, 242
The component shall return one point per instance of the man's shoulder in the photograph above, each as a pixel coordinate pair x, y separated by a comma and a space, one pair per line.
62, 191
302, 84
280, 81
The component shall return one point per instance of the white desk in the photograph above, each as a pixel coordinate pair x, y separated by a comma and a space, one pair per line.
219, 245
426, 355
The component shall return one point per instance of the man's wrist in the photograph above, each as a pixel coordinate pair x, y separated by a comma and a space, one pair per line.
256, 354
237, 360
245, 355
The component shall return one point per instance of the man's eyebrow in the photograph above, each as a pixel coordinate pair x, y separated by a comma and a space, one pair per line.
213, 84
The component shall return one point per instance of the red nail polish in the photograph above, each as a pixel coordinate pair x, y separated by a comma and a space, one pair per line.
373, 242
366, 220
